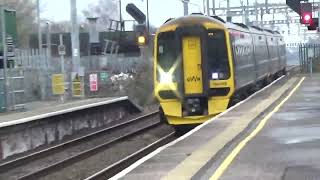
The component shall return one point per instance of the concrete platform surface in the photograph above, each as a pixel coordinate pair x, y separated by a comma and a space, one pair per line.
47, 109
287, 148
185, 157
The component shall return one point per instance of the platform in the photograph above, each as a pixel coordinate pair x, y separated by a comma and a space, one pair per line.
202, 153
47, 109
51, 124
288, 146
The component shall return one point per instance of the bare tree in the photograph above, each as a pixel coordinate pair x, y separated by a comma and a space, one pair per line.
105, 10
26, 15
61, 26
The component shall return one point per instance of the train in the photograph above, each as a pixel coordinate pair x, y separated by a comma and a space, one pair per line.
203, 65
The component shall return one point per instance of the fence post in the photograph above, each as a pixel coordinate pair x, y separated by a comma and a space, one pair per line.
27, 53
33, 58
300, 57
304, 57
313, 59
303, 51
307, 56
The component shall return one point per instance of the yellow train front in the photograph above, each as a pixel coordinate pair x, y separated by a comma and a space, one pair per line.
202, 62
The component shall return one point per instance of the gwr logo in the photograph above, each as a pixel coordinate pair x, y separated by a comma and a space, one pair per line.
193, 79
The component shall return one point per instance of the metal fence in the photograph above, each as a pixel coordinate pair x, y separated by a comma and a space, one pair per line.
309, 58
30, 77
13, 85
32, 58
12, 89
2, 93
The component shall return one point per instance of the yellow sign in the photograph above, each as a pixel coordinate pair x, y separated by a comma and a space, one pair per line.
57, 84
76, 86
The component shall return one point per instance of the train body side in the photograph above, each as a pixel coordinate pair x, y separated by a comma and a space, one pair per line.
257, 55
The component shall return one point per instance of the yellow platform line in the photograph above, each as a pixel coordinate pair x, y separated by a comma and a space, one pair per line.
226, 163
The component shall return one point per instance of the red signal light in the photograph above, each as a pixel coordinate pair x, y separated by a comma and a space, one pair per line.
306, 18
306, 13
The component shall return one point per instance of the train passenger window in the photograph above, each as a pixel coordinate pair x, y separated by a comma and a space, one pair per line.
272, 49
217, 55
261, 52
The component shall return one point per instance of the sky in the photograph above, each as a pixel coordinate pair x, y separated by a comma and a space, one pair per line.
159, 10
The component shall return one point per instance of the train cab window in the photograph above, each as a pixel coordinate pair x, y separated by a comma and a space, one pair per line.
217, 55
167, 52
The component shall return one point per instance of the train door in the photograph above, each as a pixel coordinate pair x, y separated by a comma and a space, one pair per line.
192, 65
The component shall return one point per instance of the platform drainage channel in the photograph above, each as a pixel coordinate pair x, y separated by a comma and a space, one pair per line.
301, 173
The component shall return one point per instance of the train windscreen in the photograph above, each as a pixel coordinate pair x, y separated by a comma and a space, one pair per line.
167, 57
217, 55
167, 50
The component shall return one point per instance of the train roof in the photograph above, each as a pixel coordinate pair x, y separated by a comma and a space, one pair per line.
238, 27
185, 20
200, 18
256, 30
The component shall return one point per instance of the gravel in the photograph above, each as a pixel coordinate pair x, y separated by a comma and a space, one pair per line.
99, 161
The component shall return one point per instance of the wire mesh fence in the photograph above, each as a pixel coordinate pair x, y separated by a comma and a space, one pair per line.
32, 73
309, 58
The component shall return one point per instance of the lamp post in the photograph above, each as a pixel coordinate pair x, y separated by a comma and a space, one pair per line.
39, 27
75, 37
213, 7
148, 21
120, 16
208, 7
77, 73
228, 11
185, 7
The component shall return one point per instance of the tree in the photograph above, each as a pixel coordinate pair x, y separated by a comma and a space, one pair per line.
105, 10
26, 15
62, 26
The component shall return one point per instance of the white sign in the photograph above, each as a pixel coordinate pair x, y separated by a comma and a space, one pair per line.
62, 50
93, 78
75, 52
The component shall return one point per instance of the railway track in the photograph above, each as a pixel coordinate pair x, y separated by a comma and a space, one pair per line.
115, 168
144, 123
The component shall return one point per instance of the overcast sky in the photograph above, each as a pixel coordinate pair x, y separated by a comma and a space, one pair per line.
160, 10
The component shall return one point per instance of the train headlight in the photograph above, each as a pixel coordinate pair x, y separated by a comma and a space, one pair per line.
166, 77
223, 76
219, 76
